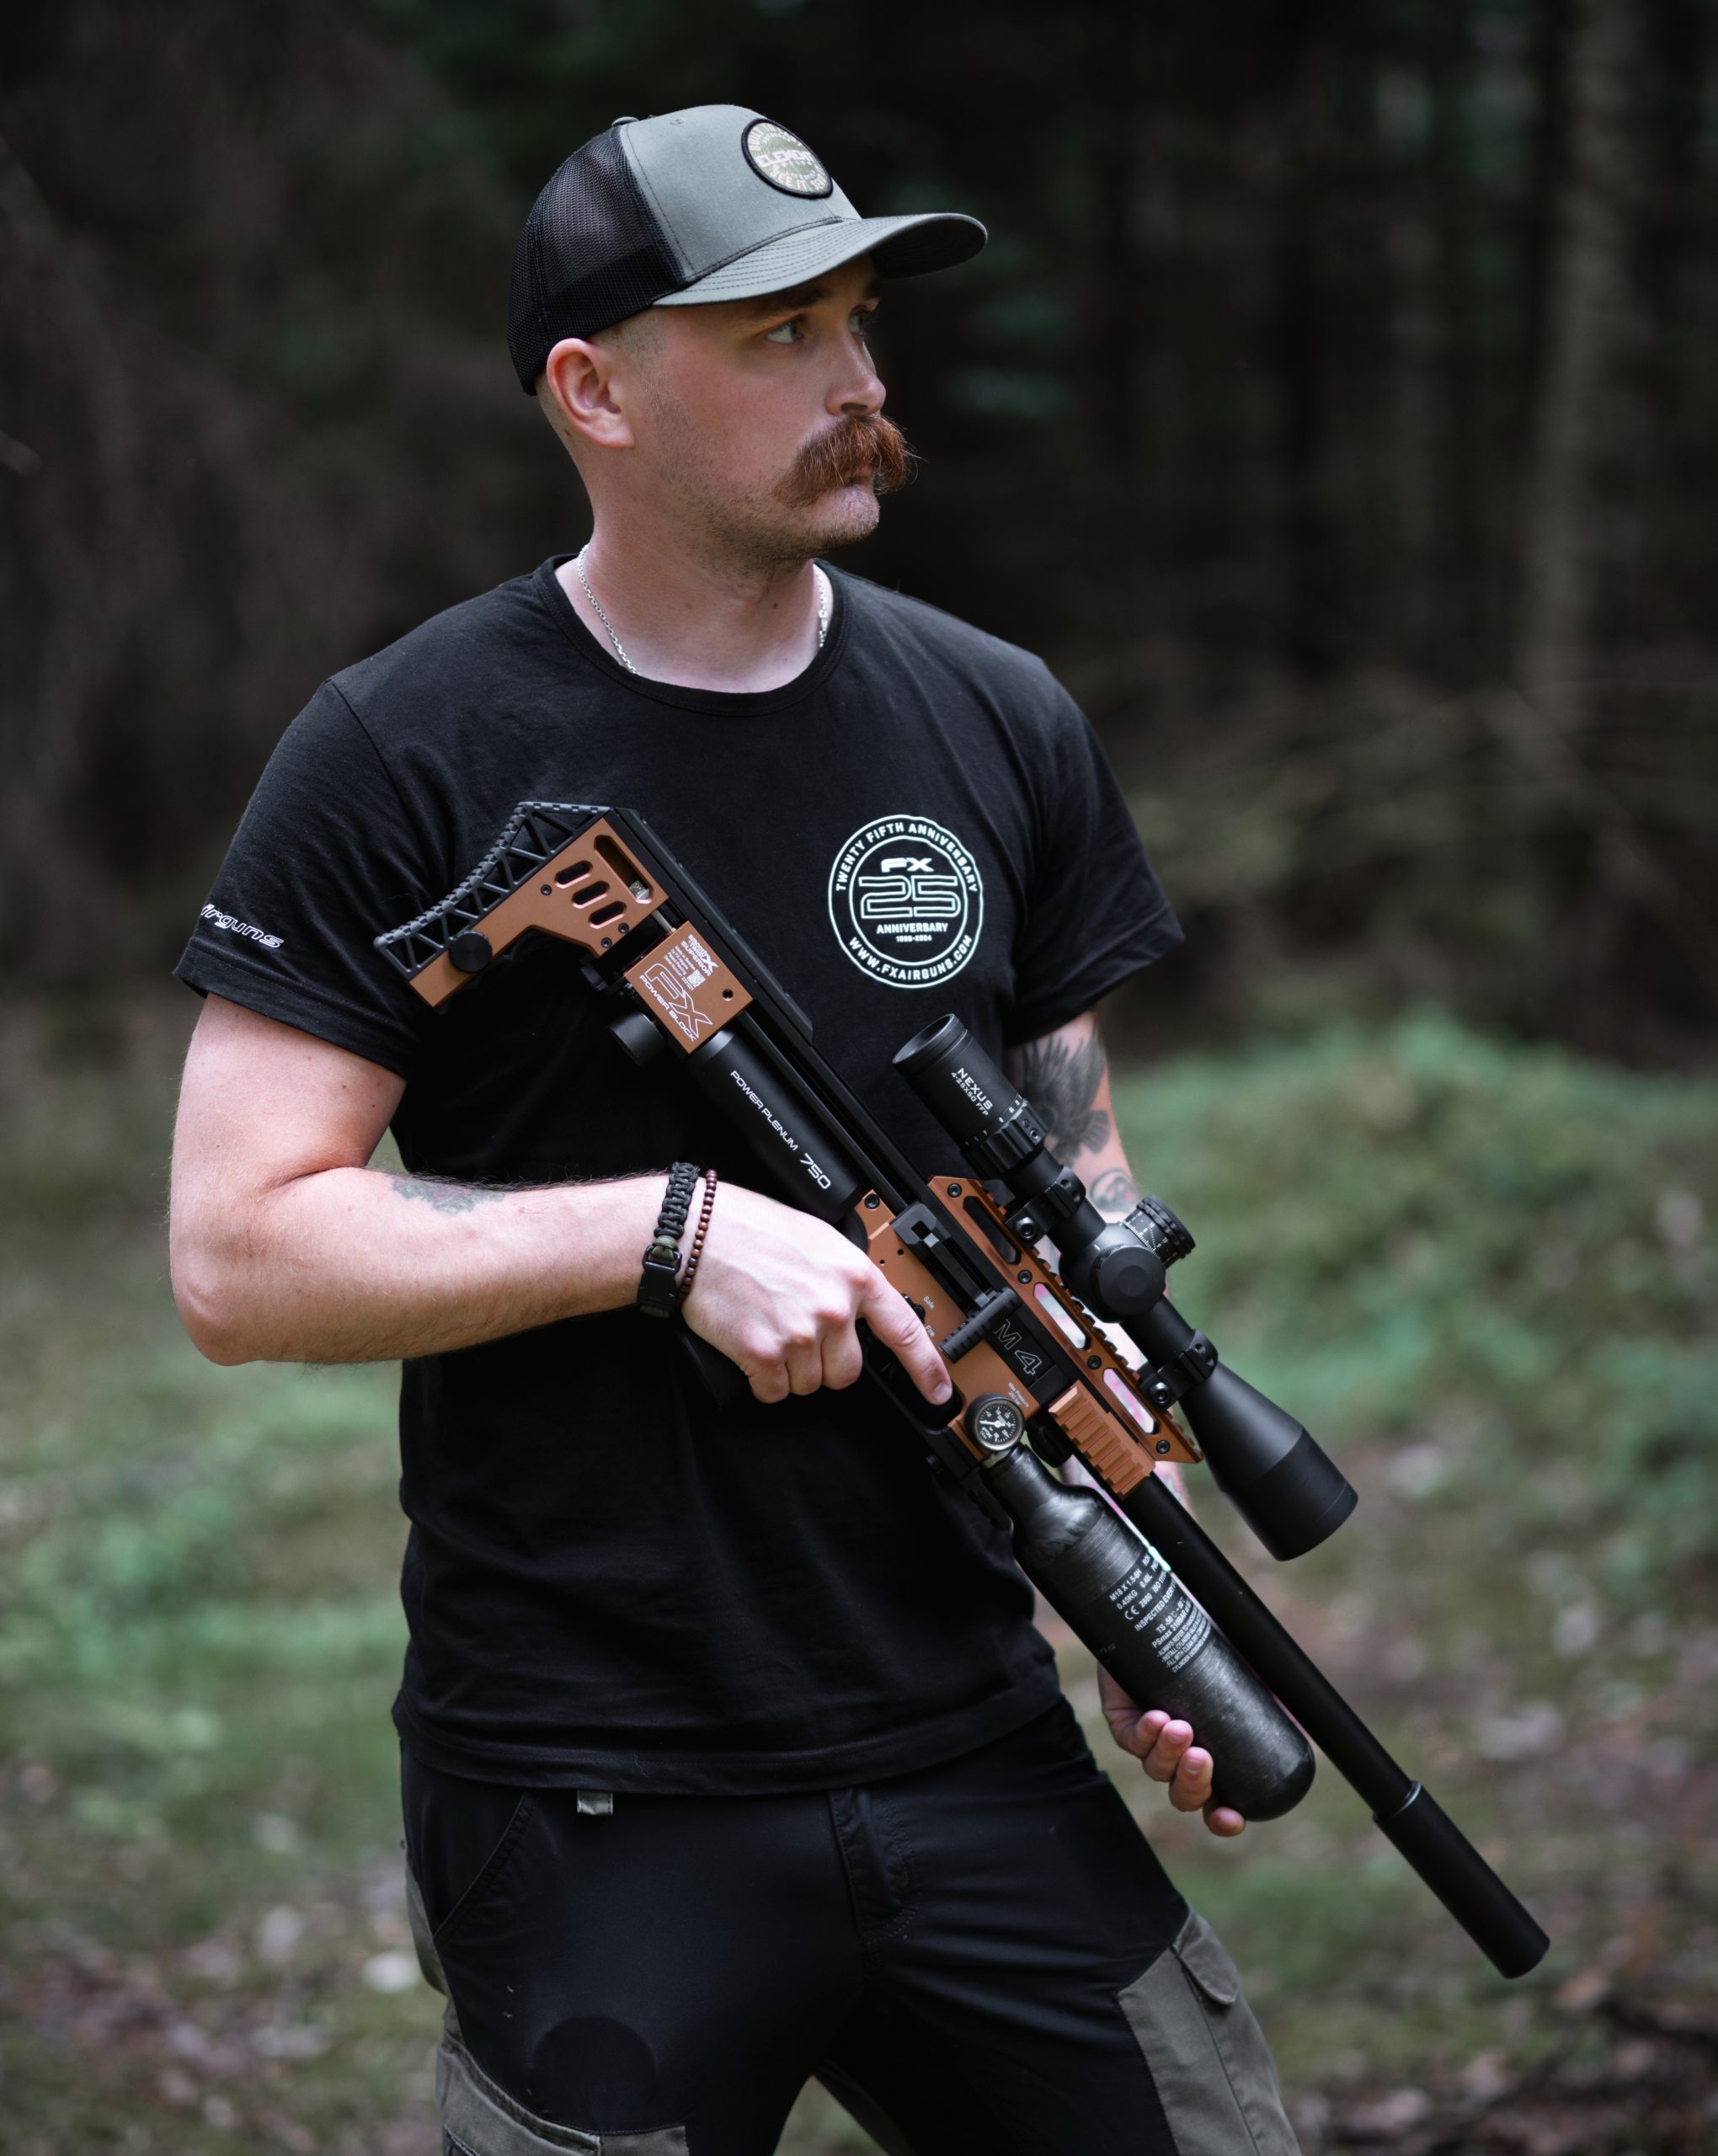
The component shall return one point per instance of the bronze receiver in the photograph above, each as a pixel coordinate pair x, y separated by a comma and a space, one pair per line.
1036, 1380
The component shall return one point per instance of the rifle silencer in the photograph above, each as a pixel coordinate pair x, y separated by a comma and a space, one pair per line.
1466, 1885
1121, 1600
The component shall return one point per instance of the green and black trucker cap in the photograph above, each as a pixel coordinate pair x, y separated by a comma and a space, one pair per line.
711, 203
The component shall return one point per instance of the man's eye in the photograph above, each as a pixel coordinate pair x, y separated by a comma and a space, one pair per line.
784, 332
864, 322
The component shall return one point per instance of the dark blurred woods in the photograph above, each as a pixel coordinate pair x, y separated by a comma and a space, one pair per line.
1334, 406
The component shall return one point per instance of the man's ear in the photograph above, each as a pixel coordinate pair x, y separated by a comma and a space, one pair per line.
579, 391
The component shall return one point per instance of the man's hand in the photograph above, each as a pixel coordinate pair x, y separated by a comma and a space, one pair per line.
286, 1247
1166, 1749
781, 1294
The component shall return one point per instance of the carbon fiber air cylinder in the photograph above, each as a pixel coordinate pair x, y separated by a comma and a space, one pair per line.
1121, 1599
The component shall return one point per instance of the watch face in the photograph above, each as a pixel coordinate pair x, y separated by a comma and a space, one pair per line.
997, 1423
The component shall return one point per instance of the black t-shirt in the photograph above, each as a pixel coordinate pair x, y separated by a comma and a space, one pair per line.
608, 1582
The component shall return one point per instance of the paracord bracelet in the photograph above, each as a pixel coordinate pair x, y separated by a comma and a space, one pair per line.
704, 1229
662, 1260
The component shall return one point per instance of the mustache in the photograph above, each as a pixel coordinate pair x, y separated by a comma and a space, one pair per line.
854, 451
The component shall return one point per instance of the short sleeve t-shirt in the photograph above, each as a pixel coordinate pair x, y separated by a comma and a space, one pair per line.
608, 1581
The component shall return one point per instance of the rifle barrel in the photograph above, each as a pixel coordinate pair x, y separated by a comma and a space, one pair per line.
1401, 1808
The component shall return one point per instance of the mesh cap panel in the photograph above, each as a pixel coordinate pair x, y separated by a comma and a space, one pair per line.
590, 255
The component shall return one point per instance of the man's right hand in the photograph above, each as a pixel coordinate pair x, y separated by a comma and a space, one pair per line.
287, 1247
1164, 1747
781, 1294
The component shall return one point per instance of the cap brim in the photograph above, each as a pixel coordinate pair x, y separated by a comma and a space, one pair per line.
904, 247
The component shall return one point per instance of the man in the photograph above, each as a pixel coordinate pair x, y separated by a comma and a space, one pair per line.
730, 1755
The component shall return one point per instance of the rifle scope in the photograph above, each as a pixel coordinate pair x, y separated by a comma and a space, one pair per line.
1275, 1474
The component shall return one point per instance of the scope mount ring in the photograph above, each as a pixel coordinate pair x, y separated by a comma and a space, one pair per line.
1167, 1382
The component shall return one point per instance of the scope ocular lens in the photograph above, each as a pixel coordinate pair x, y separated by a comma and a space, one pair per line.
960, 1084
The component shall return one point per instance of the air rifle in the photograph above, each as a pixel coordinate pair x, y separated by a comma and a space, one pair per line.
1035, 1377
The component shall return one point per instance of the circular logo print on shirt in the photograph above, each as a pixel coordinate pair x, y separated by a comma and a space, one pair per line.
784, 161
907, 901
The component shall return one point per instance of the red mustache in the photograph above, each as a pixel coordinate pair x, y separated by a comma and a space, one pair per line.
852, 452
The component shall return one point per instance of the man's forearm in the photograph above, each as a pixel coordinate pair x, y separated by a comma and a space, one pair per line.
352, 1265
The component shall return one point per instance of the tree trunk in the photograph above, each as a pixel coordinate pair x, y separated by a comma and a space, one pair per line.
1581, 317
1461, 629
1311, 595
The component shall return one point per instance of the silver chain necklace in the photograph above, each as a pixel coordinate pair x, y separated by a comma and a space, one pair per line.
823, 609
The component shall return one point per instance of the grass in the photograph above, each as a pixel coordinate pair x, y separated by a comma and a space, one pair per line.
1483, 1274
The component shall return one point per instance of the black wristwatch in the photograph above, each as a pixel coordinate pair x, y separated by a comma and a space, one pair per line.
659, 1281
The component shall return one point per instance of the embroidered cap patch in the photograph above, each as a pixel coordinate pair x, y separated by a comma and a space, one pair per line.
784, 161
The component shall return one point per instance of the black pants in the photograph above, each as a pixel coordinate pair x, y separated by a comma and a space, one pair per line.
981, 1958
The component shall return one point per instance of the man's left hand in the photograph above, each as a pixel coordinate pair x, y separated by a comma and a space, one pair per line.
1165, 1748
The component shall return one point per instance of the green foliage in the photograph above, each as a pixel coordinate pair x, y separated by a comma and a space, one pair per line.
1482, 1274
1425, 1230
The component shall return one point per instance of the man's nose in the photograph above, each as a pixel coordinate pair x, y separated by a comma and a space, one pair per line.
861, 393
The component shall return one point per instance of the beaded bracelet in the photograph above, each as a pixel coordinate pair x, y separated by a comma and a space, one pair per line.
657, 1295
704, 1229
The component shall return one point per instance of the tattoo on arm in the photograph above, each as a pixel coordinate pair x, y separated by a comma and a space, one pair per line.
1115, 1193
1060, 1078
443, 1196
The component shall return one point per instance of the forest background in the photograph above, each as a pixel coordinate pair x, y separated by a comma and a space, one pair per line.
1334, 408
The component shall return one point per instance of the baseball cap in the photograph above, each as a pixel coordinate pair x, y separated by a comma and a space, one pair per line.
715, 202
